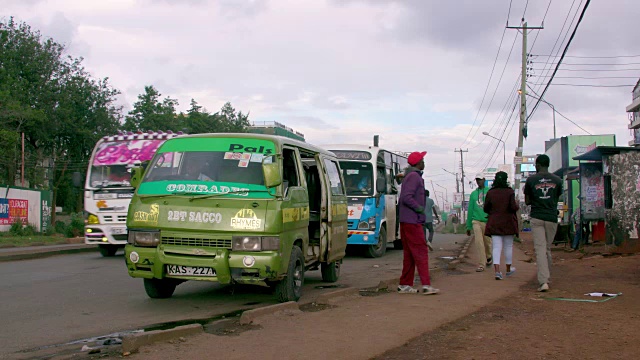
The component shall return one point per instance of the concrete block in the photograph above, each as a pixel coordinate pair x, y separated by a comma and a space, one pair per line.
327, 297
133, 342
249, 316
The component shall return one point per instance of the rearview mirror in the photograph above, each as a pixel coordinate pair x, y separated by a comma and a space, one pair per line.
76, 179
271, 171
381, 185
136, 176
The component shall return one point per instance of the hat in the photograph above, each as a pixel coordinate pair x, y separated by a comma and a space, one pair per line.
415, 157
479, 176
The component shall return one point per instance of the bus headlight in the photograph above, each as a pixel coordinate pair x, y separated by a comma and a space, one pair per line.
255, 243
144, 238
93, 219
372, 223
363, 225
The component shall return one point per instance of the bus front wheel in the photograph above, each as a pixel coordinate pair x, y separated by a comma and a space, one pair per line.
380, 248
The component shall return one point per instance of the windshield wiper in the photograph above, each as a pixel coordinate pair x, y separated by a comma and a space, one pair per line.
157, 195
206, 196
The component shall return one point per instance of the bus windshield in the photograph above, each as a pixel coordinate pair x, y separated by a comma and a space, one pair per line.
358, 177
207, 166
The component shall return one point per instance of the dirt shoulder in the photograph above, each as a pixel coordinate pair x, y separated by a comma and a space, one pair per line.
526, 325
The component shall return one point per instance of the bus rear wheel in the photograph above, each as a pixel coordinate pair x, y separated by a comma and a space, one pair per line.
377, 250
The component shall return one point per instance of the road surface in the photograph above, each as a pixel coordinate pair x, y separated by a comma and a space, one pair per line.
55, 300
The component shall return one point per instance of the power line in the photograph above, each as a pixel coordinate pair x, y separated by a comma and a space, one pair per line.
591, 77
564, 52
599, 64
591, 57
592, 85
559, 113
495, 61
592, 69
544, 67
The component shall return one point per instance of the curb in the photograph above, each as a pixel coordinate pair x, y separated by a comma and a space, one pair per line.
328, 298
463, 253
35, 253
133, 342
250, 316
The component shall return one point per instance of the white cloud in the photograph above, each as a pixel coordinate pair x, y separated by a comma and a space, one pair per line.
413, 72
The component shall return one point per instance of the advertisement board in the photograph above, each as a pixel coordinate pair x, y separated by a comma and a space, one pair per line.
592, 188
578, 145
12, 210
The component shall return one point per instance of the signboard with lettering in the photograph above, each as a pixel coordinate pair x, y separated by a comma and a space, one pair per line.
352, 155
12, 210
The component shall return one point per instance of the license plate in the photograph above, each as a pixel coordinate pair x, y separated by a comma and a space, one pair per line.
119, 231
190, 270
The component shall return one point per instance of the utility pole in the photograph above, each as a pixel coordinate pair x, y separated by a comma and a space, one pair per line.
523, 100
456, 175
463, 218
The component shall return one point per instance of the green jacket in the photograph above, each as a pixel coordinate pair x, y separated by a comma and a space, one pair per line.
476, 207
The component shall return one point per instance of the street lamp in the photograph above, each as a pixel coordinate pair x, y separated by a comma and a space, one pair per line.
504, 146
550, 105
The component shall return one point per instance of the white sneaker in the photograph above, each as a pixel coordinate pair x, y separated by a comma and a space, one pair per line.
406, 289
543, 288
430, 246
429, 290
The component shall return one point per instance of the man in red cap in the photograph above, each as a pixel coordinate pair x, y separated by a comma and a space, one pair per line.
412, 217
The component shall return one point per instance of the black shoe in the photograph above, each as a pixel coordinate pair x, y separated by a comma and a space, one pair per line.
489, 261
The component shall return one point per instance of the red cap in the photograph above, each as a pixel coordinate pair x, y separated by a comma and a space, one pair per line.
415, 157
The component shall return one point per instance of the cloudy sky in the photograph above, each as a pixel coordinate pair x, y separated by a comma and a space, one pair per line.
416, 72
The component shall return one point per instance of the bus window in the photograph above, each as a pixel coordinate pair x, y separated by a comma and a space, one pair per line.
358, 178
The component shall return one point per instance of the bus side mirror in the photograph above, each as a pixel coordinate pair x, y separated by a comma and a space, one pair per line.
136, 176
381, 185
76, 179
271, 171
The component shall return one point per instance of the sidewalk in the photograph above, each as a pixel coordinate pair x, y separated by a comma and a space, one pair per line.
359, 327
33, 252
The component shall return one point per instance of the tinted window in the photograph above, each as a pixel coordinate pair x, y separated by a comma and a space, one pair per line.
358, 178
334, 177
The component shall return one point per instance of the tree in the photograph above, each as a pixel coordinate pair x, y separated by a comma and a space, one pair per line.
149, 113
233, 121
49, 97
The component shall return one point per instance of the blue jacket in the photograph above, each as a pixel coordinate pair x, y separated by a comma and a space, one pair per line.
412, 198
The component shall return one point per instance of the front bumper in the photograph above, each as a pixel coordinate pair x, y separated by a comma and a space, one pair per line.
105, 234
360, 237
255, 268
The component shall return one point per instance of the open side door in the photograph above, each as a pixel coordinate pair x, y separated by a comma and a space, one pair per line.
333, 226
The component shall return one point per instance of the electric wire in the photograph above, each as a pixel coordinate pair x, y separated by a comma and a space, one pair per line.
564, 52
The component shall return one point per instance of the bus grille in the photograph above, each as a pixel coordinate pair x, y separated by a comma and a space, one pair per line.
217, 243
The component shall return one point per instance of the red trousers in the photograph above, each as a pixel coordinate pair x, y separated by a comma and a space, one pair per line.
416, 254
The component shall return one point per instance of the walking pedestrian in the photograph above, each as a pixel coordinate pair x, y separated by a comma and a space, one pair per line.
502, 224
429, 212
412, 217
477, 222
542, 191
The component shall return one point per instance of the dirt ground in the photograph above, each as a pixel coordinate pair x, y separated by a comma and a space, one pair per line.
528, 325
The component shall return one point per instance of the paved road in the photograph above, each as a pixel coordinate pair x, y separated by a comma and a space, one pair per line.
59, 299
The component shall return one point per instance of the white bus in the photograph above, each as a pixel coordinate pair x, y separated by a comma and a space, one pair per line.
107, 191
370, 177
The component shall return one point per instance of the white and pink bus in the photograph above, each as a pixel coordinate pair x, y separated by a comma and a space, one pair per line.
107, 191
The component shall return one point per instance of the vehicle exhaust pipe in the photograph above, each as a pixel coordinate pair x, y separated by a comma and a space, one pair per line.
376, 140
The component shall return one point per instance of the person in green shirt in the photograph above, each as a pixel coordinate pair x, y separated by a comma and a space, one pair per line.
477, 222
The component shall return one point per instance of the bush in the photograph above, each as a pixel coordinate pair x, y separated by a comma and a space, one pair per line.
16, 228
60, 227
76, 226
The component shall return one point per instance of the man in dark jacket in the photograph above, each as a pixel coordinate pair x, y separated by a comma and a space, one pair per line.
412, 217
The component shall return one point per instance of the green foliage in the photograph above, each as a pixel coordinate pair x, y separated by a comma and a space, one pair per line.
76, 226
149, 113
18, 228
60, 227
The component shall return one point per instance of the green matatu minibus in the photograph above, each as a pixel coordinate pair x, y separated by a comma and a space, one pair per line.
236, 209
